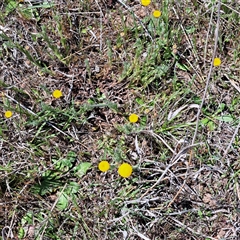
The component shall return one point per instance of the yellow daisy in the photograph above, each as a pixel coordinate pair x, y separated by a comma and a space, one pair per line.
133, 118
104, 166
145, 2
157, 13
57, 93
8, 114
216, 62
125, 170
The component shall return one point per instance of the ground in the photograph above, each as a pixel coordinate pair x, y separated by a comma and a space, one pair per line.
110, 59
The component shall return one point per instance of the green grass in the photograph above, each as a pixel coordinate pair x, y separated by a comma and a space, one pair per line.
109, 61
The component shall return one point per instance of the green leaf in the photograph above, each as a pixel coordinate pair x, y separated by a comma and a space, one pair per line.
204, 121
46, 4
72, 188
139, 101
21, 233
200, 213
6, 168
62, 203
27, 219
63, 164
211, 125
182, 66
143, 120
81, 169
71, 156
11, 6
66, 163
226, 118
27, 13
190, 30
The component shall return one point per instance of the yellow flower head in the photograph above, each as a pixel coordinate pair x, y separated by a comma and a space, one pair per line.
216, 62
133, 118
125, 170
157, 13
57, 94
145, 2
8, 114
103, 166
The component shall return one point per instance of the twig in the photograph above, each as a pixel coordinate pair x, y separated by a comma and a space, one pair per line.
140, 234
234, 84
7, 233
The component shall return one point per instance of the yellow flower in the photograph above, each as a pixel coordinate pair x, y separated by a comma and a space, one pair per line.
133, 118
57, 94
145, 2
125, 170
8, 114
216, 62
103, 166
157, 13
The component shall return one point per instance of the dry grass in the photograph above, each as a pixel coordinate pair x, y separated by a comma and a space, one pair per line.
110, 59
